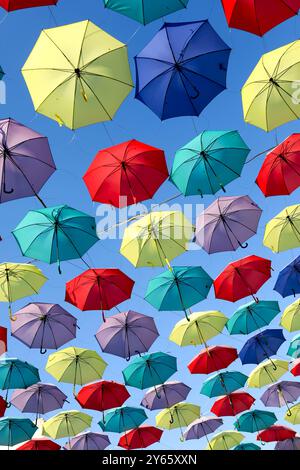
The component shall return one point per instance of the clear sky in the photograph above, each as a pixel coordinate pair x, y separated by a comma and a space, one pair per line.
73, 152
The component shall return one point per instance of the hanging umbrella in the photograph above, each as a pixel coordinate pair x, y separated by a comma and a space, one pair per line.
223, 383
43, 326
202, 427
261, 346
78, 74
178, 416
280, 172
101, 396
232, 404
3, 407
293, 415
283, 232
145, 11
247, 446
289, 444
39, 444
11, 5
140, 438
295, 370
254, 421
17, 374
3, 340
165, 395
126, 174
1, 73
252, 317
26, 161
156, 238
56, 234
288, 282
294, 348
178, 288
198, 329
127, 334
225, 440
66, 424
122, 419
290, 319
267, 372
242, 278
281, 394
13, 431
213, 359
268, 93
276, 433
227, 224
88, 441
209, 162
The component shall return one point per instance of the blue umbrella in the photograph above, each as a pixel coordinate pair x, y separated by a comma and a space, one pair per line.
223, 383
252, 317
16, 430
15, 374
288, 282
182, 69
261, 347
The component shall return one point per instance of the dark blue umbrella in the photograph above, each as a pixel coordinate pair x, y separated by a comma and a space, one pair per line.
288, 282
182, 69
261, 347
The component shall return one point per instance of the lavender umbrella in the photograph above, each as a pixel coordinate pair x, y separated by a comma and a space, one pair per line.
165, 395
289, 444
88, 441
202, 427
127, 334
42, 325
281, 393
227, 223
26, 161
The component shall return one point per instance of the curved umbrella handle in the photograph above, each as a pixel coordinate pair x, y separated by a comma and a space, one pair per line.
8, 405
244, 246
181, 438
43, 351
138, 352
7, 191
172, 419
128, 358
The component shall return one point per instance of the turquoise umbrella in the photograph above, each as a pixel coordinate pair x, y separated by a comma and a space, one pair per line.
252, 317
17, 374
56, 234
294, 348
122, 419
1, 73
223, 383
179, 288
255, 421
247, 446
209, 162
15, 430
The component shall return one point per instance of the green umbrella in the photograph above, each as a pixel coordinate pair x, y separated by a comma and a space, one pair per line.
223, 383
15, 374
294, 348
247, 446
15, 430
122, 419
255, 421
252, 317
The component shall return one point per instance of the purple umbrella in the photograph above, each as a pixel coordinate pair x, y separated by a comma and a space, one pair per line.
202, 427
26, 161
227, 223
281, 394
289, 444
41, 325
88, 441
165, 395
127, 334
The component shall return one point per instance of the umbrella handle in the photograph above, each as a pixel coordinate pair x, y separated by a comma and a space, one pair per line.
8, 192
43, 351
128, 358
181, 438
103, 316
256, 299
8, 405
172, 419
186, 316
244, 246
11, 317
138, 352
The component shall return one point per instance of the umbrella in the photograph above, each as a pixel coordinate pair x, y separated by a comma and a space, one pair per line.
178, 416
280, 172
290, 319
140, 438
43, 326
56, 234
127, 334
76, 366
3, 340
156, 238
252, 316
247, 446
283, 232
256, 17
18, 281
223, 383
145, 11
101, 396
281, 394
27, 162
165, 395
268, 93
289, 444
212, 359
3, 406
1, 73
293, 415
267, 372
208, 163
88, 441
178, 288
295, 370
17, 374
254, 421
288, 282
122, 419
126, 174
242, 278
11, 5
199, 328
294, 348
66, 424
261, 346
78, 74
225, 440
227, 224
232, 404
182, 69
39, 444
202, 427
276, 433
15, 430
99, 289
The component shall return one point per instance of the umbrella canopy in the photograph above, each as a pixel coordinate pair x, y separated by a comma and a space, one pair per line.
178, 416
3, 407
288, 444
157, 238
247, 446
101, 396
1, 73
223, 384
88, 441
252, 316
276, 433
140, 438
209, 162
11, 5
281, 393
26, 161
267, 372
66, 424
290, 319
268, 93
126, 174
127, 334
43, 326
288, 281
122, 419
165, 395
39, 399
295, 370
202, 427
261, 346
17, 374
3, 340
192, 69
78, 74
225, 440
232, 404
227, 224
293, 415
254, 421
242, 278
294, 348
283, 232
145, 11
212, 359
39, 444
13, 431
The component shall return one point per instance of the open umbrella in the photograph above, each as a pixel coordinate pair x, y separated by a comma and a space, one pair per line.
101, 396
290, 319
209, 162
16, 374
225, 440
213, 359
3, 340
247, 446
293, 414
77, 74
88, 441
276, 433
15, 430
295, 370
252, 316
294, 348
178, 416
223, 383
140, 438
66, 424
232, 404
122, 419
12, 5
281, 394
283, 232
165, 395
261, 346
289, 444
254, 421
3, 407
202, 427
267, 372
39, 444
288, 281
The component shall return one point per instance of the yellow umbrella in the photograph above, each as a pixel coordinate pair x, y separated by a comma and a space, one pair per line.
157, 238
178, 416
293, 414
269, 95
225, 440
66, 424
267, 372
283, 232
78, 74
290, 319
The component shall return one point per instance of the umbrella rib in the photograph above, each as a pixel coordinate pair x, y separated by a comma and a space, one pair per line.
54, 43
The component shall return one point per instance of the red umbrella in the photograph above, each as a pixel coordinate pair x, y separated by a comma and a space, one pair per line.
280, 172
39, 444
257, 17
11, 5
140, 438
99, 289
101, 396
242, 278
295, 370
213, 359
3, 340
126, 174
276, 433
3, 406
233, 404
